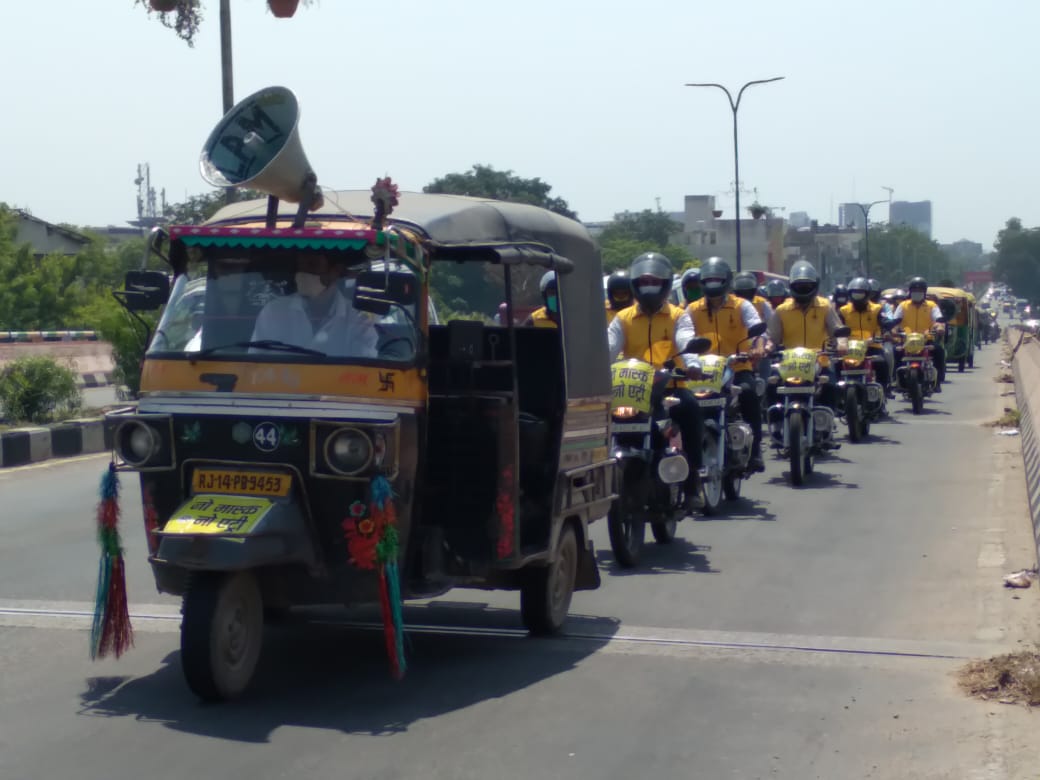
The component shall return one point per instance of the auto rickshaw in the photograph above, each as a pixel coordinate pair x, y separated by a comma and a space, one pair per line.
958, 306
275, 474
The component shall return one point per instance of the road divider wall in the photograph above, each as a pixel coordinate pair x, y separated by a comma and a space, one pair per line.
89, 359
22, 446
1026, 368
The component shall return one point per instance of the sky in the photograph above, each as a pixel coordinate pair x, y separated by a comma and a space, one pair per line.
936, 99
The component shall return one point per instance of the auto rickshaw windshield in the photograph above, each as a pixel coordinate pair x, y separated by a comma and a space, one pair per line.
285, 306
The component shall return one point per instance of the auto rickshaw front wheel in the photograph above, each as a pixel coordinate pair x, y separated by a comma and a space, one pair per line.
221, 634
545, 596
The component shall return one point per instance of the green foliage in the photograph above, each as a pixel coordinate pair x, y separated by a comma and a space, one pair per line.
199, 208
483, 181
38, 390
900, 252
646, 226
1018, 259
127, 336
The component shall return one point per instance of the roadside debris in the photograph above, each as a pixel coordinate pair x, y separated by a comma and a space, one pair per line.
1008, 432
1021, 579
1009, 679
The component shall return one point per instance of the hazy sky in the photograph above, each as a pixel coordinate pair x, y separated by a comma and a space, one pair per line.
934, 98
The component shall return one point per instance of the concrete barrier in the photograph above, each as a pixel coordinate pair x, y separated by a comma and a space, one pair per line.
1026, 368
90, 360
22, 446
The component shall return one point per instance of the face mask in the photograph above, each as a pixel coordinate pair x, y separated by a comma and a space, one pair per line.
650, 289
552, 304
747, 295
917, 297
309, 285
692, 294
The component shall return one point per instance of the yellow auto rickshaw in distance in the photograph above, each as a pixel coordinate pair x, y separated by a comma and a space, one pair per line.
959, 309
382, 457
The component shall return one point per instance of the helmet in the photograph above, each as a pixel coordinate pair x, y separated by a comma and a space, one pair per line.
776, 292
619, 290
840, 296
805, 282
916, 284
745, 285
859, 291
874, 288
548, 280
691, 285
651, 275
715, 276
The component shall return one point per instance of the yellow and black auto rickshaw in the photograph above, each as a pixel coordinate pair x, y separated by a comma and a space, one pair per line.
392, 458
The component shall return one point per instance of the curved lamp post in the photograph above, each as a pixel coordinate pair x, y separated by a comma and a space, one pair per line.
734, 105
866, 232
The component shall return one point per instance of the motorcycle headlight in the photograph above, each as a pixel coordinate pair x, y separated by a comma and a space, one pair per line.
624, 412
348, 452
136, 443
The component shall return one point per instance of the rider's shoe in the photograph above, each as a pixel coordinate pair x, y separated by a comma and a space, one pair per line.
938, 387
694, 499
755, 463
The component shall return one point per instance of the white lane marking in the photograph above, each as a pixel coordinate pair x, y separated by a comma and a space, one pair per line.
11, 471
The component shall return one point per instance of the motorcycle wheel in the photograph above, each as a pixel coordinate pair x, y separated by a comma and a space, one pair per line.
626, 525
916, 393
664, 531
795, 425
853, 415
731, 484
711, 488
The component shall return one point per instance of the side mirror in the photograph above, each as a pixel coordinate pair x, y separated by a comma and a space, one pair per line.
696, 346
887, 324
843, 332
756, 330
376, 291
145, 290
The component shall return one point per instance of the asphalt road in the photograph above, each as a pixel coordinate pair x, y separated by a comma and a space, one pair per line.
809, 633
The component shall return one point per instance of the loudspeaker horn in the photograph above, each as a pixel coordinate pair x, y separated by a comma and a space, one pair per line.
257, 145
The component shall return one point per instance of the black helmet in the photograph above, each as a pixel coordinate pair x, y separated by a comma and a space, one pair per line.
917, 284
840, 295
859, 292
715, 277
651, 275
691, 285
548, 281
619, 290
745, 284
776, 292
805, 282
874, 289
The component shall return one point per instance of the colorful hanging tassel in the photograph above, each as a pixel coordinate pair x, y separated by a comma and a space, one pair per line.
384, 516
111, 631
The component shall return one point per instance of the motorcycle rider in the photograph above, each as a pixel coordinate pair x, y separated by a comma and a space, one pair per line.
776, 293
619, 293
547, 315
839, 297
919, 315
725, 318
865, 320
874, 287
807, 320
648, 331
745, 285
691, 286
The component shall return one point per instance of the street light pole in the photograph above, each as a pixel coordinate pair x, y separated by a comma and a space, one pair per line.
866, 233
227, 79
734, 105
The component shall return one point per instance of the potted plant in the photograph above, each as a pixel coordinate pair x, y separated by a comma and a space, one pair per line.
757, 210
283, 9
185, 16
716, 213
163, 6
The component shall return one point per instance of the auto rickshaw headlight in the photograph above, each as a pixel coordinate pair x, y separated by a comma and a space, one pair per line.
136, 443
348, 452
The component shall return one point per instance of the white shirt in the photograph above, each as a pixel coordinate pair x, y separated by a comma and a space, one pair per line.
345, 332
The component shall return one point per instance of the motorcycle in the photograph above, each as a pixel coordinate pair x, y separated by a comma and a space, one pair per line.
647, 446
799, 429
861, 399
727, 439
916, 374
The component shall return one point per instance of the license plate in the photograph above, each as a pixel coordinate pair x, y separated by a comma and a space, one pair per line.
218, 514
630, 427
242, 483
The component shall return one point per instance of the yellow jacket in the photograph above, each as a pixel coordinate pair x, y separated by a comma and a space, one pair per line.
540, 318
804, 327
641, 332
917, 317
865, 324
724, 326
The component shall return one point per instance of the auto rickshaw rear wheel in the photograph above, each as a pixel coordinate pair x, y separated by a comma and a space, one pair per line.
221, 634
545, 596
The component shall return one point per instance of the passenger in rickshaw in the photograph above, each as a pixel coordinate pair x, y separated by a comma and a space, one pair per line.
619, 294
691, 286
319, 315
745, 285
548, 314
649, 330
725, 319
865, 319
919, 315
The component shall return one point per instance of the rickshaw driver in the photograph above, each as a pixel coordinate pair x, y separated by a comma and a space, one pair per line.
919, 315
632, 334
318, 315
725, 319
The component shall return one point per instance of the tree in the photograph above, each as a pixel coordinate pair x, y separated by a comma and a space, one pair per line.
1018, 259
483, 181
631, 234
185, 19
198, 208
900, 252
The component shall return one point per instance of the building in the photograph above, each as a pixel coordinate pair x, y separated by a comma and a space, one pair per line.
46, 238
833, 250
705, 234
915, 214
